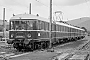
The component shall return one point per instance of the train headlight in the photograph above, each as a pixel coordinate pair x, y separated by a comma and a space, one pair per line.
39, 34
12, 35
29, 35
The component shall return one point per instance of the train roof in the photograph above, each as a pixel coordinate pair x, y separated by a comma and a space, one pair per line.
30, 16
63, 24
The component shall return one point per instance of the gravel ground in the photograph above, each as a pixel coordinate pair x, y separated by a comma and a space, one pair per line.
44, 55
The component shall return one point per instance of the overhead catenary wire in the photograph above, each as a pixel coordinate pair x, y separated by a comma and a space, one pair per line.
41, 3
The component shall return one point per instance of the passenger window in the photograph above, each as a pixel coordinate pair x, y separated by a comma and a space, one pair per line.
56, 27
52, 27
39, 25
46, 26
42, 25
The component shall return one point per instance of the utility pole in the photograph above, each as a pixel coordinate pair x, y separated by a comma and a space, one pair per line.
50, 26
30, 9
4, 26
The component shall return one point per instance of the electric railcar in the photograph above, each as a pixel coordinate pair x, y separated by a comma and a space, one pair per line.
31, 32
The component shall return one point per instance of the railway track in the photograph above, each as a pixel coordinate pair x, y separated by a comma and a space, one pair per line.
5, 55
80, 53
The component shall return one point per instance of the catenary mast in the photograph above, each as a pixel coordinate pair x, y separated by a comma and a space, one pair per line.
50, 26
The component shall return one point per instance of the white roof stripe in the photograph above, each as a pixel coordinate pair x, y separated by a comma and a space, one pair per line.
63, 24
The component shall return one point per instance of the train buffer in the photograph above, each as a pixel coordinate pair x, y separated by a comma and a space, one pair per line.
79, 57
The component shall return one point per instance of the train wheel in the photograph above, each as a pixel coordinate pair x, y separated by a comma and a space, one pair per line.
32, 46
41, 45
35, 45
47, 44
16, 45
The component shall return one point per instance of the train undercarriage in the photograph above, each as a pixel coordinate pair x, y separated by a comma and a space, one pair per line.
35, 44
32, 45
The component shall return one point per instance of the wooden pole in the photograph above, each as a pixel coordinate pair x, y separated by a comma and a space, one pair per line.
50, 27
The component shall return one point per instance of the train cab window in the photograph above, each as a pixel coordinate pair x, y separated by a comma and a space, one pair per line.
20, 25
30, 25
17, 25
12, 25
23, 25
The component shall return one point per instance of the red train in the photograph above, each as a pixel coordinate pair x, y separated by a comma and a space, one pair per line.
32, 32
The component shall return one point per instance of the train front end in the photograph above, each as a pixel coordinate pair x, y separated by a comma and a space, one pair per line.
21, 33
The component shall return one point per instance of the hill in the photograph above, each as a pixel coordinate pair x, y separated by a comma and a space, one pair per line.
81, 22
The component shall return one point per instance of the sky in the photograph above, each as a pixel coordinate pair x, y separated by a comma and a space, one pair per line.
71, 9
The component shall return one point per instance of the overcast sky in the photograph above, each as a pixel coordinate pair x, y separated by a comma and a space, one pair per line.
72, 9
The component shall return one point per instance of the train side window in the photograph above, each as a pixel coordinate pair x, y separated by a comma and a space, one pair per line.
53, 27
46, 26
59, 27
70, 29
65, 28
39, 25
42, 25
56, 27
73, 30
62, 28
